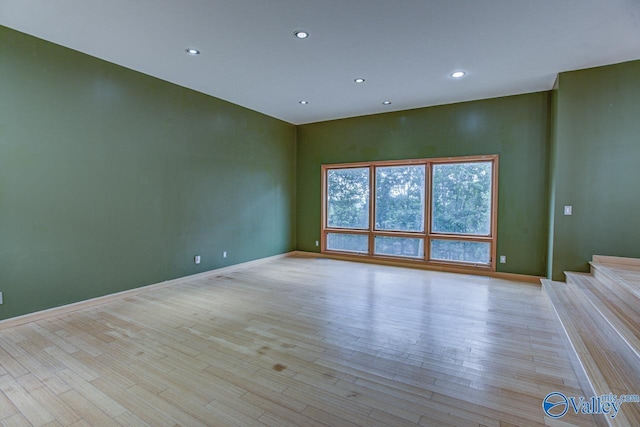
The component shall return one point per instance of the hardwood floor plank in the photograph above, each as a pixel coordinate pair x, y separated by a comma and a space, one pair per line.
130, 420
222, 411
91, 414
92, 394
278, 414
48, 400
139, 376
174, 412
16, 420
11, 365
334, 420
136, 405
7, 409
26, 404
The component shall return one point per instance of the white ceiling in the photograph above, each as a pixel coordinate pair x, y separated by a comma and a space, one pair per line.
405, 49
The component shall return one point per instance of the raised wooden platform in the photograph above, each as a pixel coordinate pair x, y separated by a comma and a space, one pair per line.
618, 274
600, 316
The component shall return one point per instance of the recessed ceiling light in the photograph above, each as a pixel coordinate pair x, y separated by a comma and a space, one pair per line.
458, 74
192, 51
359, 80
301, 34
386, 102
304, 102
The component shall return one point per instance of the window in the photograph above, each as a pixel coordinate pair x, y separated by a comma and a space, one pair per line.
461, 251
461, 204
348, 205
427, 210
461, 198
399, 246
400, 198
357, 243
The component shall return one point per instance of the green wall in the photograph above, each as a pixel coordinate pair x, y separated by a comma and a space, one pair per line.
553, 147
597, 166
111, 179
516, 128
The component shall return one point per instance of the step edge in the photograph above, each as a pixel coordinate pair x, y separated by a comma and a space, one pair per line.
612, 277
580, 356
614, 321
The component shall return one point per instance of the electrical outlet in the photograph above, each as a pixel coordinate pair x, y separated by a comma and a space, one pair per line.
224, 254
503, 259
196, 259
317, 243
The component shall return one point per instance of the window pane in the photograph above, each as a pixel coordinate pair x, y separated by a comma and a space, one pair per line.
461, 194
348, 198
457, 250
399, 246
400, 198
348, 242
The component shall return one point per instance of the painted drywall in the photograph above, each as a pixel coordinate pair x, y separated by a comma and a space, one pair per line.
516, 128
111, 179
553, 147
596, 166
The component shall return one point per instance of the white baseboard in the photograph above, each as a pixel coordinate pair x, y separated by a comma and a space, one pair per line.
80, 305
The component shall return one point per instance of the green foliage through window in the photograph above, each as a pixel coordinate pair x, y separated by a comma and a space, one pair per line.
461, 198
399, 246
400, 198
348, 242
461, 251
348, 198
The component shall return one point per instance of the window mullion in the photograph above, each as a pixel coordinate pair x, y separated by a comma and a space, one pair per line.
427, 211
372, 207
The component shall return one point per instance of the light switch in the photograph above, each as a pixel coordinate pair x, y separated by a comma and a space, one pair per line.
568, 210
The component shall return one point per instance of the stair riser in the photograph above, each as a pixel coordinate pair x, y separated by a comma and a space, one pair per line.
615, 285
623, 318
617, 342
577, 316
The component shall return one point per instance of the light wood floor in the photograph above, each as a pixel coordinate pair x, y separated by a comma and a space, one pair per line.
295, 341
